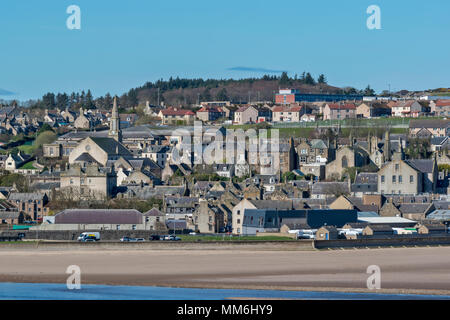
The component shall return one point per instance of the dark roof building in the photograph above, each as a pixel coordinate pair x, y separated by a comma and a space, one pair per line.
98, 216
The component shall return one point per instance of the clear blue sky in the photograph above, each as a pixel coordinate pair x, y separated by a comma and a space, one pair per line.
123, 44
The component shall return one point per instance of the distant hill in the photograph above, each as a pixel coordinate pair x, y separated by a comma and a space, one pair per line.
186, 92
235, 90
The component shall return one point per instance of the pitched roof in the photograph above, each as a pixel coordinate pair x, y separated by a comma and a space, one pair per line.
154, 213
443, 103
346, 106
287, 109
26, 196
406, 208
422, 165
272, 204
380, 227
176, 112
110, 145
86, 157
99, 216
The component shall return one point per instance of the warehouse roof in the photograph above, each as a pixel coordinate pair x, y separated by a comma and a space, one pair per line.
99, 216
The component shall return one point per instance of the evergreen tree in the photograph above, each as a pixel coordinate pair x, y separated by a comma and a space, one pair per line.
369, 91
322, 79
284, 79
89, 102
309, 79
222, 95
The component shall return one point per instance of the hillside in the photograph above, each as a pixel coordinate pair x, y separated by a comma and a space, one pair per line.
185, 92
237, 91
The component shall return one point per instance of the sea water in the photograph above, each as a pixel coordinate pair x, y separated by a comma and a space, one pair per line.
46, 291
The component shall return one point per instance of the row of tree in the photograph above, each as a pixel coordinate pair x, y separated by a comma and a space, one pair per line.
155, 92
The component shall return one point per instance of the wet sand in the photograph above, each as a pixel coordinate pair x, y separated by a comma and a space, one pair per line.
403, 270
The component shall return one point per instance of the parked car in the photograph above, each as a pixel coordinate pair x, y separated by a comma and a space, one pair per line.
155, 237
174, 238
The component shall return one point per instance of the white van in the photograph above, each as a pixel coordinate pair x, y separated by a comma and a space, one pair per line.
89, 236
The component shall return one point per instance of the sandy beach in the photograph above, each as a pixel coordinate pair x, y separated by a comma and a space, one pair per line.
403, 270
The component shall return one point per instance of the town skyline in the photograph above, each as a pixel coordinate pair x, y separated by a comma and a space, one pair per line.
122, 46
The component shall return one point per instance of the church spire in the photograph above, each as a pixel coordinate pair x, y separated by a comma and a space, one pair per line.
114, 125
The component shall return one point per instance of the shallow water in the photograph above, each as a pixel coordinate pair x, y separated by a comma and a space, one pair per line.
45, 291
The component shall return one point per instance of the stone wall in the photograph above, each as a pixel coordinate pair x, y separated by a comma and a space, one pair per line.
397, 241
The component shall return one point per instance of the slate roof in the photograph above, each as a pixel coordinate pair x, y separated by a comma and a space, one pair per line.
326, 187
380, 228
318, 144
86, 157
406, 208
34, 196
110, 145
438, 141
176, 224
154, 213
98, 216
273, 204
9, 215
422, 165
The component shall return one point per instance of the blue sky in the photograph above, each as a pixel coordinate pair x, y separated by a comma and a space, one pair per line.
123, 44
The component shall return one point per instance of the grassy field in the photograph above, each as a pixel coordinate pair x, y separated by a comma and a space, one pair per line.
28, 165
233, 238
28, 149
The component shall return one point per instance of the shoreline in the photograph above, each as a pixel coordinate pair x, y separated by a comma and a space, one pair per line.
411, 292
418, 271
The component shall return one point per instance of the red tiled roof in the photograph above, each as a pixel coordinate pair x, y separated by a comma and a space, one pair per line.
342, 106
442, 103
287, 109
176, 112
210, 109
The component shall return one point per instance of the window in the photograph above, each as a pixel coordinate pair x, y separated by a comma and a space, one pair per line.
238, 220
118, 227
394, 179
411, 179
133, 227
239, 212
382, 179
397, 167
400, 179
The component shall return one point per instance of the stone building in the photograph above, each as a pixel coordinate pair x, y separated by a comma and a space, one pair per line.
246, 114
154, 220
89, 183
346, 157
327, 233
407, 177
82, 122
208, 218
312, 151
33, 205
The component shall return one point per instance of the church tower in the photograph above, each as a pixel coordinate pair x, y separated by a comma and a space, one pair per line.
387, 147
114, 125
